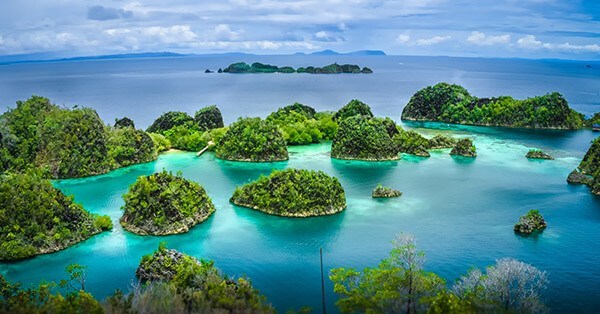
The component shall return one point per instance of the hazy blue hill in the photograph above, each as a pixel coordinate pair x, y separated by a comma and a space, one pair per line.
42, 58
329, 52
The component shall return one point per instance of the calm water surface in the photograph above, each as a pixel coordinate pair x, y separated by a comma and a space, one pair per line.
462, 211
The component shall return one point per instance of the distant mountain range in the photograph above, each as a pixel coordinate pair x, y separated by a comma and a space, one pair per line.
33, 58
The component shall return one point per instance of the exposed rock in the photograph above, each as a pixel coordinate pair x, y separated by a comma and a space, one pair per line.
576, 177
538, 154
530, 223
385, 192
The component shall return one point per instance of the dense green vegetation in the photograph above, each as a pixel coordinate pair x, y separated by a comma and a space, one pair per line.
530, 223
198, 286
128, 146
302, 125
169, 120
36, 218
293, 193
588, 171
354, 108
209, 118
399, 284
257, 67
411, 142
385, 192
252, 139
124, 122
538, 154
67, 143
363, 138
163, 203
465, 148
453, 104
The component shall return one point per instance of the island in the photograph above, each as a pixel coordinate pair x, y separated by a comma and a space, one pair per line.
385, 192
364, 138
163, 203
36, 218
588, 171
440, 141
197, 286
451, 103
530, 223
302, 125
538, 154
252, 140
209, 118
353, 108
68, 143
257, 67
464, 148
293, 193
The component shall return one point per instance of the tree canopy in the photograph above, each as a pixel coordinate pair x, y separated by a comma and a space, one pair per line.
302, 125
169, 120
163, 203
364, 138
209, 118
36, 218
293, 193
252, 139
353, 108
448, 103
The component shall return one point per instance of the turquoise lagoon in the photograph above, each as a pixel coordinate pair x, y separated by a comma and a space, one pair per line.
461, 211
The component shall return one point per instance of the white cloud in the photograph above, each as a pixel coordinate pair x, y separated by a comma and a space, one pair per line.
171, 34
480, 38
343, 27
327, 36
402, 38
432, 41
530, 42
224, 32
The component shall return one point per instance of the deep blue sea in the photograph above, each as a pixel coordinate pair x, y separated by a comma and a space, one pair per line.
461, 211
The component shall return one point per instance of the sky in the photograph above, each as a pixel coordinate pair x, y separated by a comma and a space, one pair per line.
567, 29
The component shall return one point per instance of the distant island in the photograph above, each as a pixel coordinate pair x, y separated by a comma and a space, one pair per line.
257, 67
452, 103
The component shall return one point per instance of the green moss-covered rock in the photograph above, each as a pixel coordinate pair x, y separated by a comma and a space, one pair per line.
411, 142
530, 223
128, 146
465, 148
353, 108
124, 122
199, 285
163, 203
385, 192
252, 139
293, 193
363, 138
441, 141
209, 118
538, 154
36, 218
448, 103
73, 143
169, 120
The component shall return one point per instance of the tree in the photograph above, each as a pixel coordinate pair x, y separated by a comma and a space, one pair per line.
510, 284
398, 284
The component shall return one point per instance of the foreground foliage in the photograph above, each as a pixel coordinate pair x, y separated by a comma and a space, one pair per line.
448, 103
293, 193
179, 283
252, 139
163, 203
400, 285
36, 218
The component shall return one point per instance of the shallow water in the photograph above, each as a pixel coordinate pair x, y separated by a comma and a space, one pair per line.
461, 211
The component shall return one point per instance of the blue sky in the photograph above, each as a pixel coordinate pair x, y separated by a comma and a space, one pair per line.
486, 28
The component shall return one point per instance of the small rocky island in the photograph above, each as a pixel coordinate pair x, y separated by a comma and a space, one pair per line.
538, 154
257, 67
452, 103
465, 148
385, 192
163, 203
37, 218
588, 171
293, 193
530, 223
253, 140
198, 285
